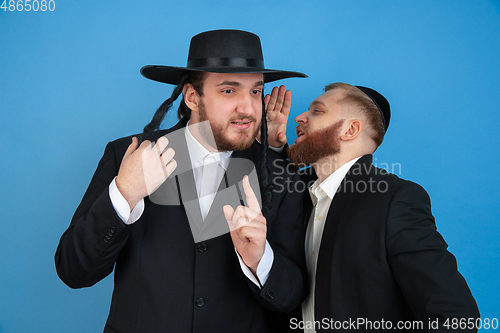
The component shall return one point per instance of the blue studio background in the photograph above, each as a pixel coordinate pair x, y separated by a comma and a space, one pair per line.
70, 82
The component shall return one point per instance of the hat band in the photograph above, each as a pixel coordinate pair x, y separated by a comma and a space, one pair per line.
225, 62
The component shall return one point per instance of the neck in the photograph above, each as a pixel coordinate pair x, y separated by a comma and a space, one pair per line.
348, 151
325, 166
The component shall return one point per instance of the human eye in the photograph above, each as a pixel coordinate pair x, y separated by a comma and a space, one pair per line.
227, 91
257, 91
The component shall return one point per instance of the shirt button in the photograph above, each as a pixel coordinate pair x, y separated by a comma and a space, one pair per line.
200, 302
319, 217
202, 247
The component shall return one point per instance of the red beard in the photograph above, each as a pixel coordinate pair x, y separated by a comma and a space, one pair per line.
316, 145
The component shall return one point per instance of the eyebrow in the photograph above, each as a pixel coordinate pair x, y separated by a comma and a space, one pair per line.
238, 84
316, 102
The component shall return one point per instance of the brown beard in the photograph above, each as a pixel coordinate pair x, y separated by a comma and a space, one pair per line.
316, 145
223, 144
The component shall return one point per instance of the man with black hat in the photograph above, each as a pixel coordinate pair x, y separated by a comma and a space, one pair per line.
191, 246
375, 259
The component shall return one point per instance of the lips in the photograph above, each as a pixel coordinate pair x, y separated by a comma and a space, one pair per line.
241, 124
300, 133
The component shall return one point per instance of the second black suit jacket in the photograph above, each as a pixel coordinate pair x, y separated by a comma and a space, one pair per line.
166, 282
382, 259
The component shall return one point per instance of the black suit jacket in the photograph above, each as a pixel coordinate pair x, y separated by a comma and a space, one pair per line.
381, 257
164, 281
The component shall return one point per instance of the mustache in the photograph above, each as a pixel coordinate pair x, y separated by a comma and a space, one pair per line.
299, 127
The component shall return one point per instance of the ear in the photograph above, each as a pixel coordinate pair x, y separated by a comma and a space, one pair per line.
352, 129
190, 97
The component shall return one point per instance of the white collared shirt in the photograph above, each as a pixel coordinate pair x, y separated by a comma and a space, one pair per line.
202, 160
321, 195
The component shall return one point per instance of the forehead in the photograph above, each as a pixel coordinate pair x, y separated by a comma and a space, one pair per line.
330, 98
242, 79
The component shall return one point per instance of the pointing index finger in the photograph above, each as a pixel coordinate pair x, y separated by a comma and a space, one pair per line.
252, 201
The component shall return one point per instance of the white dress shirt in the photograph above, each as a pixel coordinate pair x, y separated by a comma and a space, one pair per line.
211, 164
321, 195
217, 163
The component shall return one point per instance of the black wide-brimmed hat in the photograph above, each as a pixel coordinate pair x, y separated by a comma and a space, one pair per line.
220, 51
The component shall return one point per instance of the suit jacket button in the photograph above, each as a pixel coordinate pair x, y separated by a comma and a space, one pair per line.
269, 294
200, 302
202, 247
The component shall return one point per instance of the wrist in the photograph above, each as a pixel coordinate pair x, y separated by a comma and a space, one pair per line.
128, 194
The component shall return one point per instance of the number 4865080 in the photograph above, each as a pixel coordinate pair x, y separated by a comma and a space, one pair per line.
28, 5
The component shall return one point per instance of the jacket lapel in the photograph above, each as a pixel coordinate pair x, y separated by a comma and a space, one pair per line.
180, 188
334, 223
308, 176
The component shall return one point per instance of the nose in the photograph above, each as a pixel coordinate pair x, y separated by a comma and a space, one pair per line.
301, 118
248, 105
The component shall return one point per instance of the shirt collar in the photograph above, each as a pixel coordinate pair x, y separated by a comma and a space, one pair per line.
197, 152
330, 185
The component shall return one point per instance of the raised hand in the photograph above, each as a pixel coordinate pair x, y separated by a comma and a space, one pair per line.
248, 228
278, 106
144, 169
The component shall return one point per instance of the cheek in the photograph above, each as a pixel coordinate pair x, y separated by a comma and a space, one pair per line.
319, 123
218, 113
225, 110
258, 109
315, 124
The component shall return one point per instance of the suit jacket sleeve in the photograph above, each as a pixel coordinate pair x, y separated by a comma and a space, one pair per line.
88, 249
426, 272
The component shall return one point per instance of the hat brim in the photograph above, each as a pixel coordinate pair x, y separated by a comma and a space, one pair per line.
173, 75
